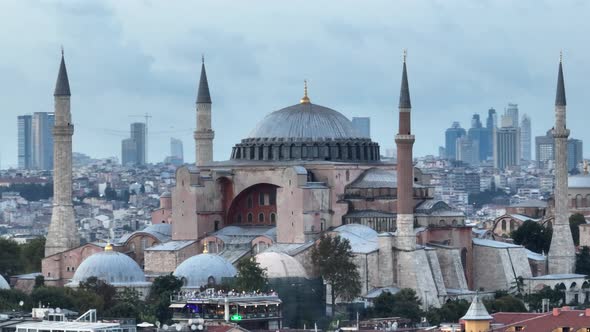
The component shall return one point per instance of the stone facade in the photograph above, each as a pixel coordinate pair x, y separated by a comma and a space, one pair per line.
60, 267
498, 265
160, 261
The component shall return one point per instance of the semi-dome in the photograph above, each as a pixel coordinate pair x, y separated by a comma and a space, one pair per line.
110, 266
306, 131
305, 121
204, 269
280, 265
3, 283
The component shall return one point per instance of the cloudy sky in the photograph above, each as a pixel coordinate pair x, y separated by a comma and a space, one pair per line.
127, 58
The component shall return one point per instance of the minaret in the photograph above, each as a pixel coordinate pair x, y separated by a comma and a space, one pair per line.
562, 254
204, 134
63, 232
405, 239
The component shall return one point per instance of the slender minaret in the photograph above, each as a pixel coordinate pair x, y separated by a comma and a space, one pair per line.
63, 232
204, 134
562, 254
405, 239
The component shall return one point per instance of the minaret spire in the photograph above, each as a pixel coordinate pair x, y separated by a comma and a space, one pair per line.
562, 255
406, 239
63, 232
204, 134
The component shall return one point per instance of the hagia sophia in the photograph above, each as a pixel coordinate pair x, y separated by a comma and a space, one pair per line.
303, 171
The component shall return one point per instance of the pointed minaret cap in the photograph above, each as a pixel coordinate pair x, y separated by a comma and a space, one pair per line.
203, 96
62, 86
477, 311
404, 95
560, 96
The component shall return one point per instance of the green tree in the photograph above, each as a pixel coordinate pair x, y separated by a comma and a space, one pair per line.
534, 300
9, 262
159, 299
506, 303
251, 277
583, 261
57, 297
32, 253
576, 220
100, 288
403, 304
533, 236
39, 281
517, 288
383, 305
451, 311
10, 300
122, 310
334, 259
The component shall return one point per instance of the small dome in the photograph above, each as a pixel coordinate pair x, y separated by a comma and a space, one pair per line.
198, 270
166, 194
3, 283
280, 265
110, 266
305, 120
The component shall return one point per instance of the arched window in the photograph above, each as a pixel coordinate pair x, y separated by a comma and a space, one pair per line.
250, 217
261, 217
503, 224
261, 199
273, 218
239, 219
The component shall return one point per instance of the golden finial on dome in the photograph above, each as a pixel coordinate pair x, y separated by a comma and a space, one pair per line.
205, 249
305, 99
108, 247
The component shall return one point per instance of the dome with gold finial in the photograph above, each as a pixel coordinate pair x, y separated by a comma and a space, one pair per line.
306, 131
204, 269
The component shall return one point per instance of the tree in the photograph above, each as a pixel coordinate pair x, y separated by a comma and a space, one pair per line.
506, 303
334, 259
100, 288
403, 304
10, 299
251, 277
517, 288
451, 311
32, 253
533, 236
39, 281
583, 261
159, 300
534, 300
576, 220
9, 254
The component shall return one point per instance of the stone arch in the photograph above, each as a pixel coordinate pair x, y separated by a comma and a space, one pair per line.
247, 203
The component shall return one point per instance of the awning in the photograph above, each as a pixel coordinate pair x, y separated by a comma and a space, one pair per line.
177, 305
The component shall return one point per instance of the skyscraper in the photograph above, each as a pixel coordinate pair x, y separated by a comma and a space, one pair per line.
544, 150
42, 145
451, 136
506, 144
138, 134
362, 126
480, 137
512, 112
574, 154
468, 150
176, 150
525, 137
25, 141
128, 152
491, 125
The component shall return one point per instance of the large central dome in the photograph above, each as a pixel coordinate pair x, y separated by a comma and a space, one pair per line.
307, 120
306, 131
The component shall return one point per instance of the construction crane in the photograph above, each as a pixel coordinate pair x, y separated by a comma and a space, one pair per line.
146, 116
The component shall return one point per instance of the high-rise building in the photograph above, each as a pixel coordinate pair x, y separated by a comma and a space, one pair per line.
468, 150
362, 126
128, 152
25, 141
451, 136
491, 124
480, 137
42, 145
138, 134
544, 150
525, 137
176, 152
506, 144
574, 154
512, 112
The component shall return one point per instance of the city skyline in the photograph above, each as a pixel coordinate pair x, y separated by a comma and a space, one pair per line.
248, 80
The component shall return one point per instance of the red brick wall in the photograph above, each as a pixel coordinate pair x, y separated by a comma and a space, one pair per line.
241, 207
